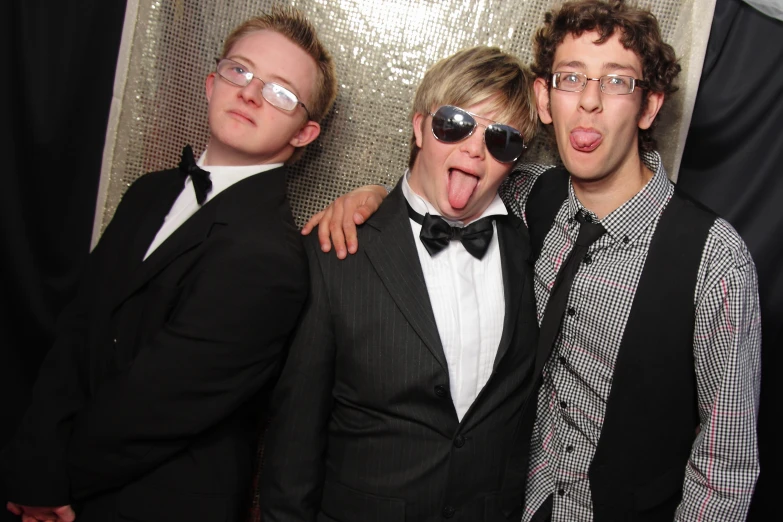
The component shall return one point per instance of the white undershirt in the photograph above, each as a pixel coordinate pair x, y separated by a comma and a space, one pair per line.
186, 205
468, 301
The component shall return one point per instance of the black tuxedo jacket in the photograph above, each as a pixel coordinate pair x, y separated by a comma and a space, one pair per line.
144, 408
364, 428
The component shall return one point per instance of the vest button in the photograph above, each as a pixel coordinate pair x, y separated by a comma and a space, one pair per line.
448, 511
441, 391
459, 441
571, 311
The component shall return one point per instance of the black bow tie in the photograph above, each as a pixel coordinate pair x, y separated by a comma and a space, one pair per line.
436, 233
201, 182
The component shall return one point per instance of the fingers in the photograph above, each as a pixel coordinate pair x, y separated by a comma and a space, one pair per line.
65, 514
333, 229
312, 222
13, 508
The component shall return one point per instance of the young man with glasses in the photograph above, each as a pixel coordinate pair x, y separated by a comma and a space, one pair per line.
147, 406
648, 303
402, 395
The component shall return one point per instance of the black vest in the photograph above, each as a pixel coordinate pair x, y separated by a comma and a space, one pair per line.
651, 418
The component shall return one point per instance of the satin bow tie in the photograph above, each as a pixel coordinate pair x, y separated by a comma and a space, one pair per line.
200, 178
436, 233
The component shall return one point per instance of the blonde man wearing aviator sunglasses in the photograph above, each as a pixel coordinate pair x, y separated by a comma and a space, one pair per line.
402, 395
147, 405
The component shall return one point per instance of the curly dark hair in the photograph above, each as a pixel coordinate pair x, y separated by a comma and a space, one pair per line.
639, 32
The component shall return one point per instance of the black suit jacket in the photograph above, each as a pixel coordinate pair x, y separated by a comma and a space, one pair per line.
144, 408
364, 428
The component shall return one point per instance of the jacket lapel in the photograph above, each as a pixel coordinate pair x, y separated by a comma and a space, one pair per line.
514, 251
392, 252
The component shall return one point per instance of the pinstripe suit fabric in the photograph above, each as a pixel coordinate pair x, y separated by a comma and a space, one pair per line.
364, 428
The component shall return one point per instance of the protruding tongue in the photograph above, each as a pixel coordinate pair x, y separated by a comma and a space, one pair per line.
585, 140
461, 187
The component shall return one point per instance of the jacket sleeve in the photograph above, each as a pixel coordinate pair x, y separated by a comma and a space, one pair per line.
34, 469
293, 473
222, 343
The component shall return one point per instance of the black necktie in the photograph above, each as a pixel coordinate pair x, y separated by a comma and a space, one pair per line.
589, 232
436, 233
201, 182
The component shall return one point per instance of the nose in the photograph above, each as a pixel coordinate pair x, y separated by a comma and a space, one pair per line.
251, 93
590, 99
473, 145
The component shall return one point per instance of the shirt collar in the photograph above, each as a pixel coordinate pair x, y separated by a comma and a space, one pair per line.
422, 206
635, 215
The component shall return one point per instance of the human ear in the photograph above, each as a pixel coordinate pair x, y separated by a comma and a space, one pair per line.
418, 132
542, 100
306, 134
653, 104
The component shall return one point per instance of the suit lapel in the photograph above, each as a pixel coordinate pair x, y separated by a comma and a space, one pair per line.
514, 250
157, 205
190, 234
392, 252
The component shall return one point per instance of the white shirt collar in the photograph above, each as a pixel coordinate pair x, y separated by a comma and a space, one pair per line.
224, 176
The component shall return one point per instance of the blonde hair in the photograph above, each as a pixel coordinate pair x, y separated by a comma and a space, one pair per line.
293, 24
472, 76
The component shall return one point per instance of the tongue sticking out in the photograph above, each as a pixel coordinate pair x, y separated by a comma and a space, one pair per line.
585, 140
461, 187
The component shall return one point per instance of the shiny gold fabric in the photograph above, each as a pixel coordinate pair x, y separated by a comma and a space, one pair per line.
382, 49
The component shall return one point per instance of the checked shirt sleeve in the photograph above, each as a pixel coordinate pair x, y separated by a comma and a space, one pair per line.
724, 464
516, 188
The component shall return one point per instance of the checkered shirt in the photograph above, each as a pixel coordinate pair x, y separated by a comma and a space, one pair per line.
723, 465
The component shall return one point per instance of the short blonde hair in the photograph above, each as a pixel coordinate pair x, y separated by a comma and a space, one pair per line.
295, 26
472, 76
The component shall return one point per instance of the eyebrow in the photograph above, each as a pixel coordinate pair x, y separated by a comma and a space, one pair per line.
273, 77
610, 66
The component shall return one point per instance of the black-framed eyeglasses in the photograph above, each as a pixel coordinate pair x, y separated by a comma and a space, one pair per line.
277, 95
451, 124
610, 83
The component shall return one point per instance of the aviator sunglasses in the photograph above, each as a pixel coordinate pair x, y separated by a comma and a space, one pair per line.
451, 124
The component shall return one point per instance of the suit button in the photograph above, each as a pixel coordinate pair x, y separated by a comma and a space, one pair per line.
448, 511
441, 391
459, 441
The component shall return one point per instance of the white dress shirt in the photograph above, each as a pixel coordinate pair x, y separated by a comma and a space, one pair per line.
468, 301
186, 205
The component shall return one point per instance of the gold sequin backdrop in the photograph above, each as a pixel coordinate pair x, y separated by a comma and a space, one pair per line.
381, 48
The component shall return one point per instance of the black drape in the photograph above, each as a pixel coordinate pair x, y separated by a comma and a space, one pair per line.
732, 163
59, 60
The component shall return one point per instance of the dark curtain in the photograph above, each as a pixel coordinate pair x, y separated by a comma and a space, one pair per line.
59, 63
732, 163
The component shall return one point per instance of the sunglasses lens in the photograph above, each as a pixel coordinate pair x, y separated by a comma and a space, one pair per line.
450, 124
503, 142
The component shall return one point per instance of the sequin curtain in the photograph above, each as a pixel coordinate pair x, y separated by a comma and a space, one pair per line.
381, 48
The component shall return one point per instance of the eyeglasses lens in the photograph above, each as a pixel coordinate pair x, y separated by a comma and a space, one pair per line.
503, 142
450, 124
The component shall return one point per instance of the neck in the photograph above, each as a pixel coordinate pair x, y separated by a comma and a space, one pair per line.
223, 156
604, 195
